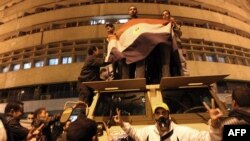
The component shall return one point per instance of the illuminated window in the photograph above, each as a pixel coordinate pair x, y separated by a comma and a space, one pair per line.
97, 21
5, 69
123, 20
66, 60
53, 61
221, 59
39, 63
27, 65
210, 58
16, 67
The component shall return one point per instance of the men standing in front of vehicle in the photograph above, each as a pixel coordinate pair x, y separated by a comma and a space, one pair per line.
164, 128
240, 114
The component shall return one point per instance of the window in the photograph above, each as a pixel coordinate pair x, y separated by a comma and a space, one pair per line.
221, 59
71, 24
123, 20
97, 21
186, 100
39, 63
198, 57
130, 103
80, 58
241, 61
248, 62
66, 60
53, 61
210, 58
232, 60
5, 69
27, 65
189, 56
16, 67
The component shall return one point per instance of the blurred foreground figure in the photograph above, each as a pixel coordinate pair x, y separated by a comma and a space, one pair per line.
3, 136
83, 129
240, 114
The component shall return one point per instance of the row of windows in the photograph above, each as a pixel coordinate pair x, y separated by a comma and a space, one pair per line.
37, 64
68, 90
59, 5
228, 86
117, 20
200, 50
48, 55
52, 54
213, 26
39, 92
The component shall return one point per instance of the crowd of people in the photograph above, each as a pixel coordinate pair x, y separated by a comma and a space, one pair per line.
43, 127
48, 128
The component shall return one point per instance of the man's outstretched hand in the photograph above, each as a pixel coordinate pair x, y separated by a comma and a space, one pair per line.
117, 118
215, 113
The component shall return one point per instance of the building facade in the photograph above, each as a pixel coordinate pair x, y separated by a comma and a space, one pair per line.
43, 42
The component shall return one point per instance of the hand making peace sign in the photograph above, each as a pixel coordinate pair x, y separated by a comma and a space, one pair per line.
215, 113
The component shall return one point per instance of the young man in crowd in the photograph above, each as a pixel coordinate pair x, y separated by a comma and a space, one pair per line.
16, 132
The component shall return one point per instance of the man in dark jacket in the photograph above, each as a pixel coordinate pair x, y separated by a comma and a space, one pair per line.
90, 72
47, 124
240, 114
15, 131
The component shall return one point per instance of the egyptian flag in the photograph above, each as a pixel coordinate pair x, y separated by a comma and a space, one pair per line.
138, 37
113, 54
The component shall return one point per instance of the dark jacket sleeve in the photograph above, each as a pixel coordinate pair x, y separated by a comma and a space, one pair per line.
96, 61
17, 131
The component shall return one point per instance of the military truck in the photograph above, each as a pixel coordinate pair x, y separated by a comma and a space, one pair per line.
184, 96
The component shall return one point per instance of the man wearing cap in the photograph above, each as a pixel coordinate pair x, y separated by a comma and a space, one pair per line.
164, 128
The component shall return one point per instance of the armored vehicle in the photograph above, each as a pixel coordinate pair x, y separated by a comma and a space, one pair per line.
184, 96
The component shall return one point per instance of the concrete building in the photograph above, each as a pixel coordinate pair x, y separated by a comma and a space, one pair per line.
43, 42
